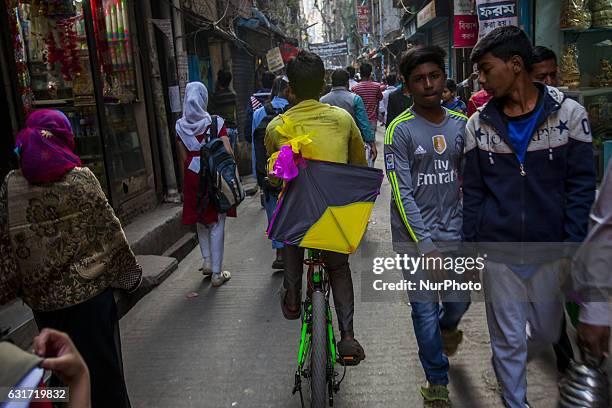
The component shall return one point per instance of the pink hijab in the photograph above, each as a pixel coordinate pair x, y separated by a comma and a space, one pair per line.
45, 146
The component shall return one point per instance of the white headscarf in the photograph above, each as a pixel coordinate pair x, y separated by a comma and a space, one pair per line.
195, 118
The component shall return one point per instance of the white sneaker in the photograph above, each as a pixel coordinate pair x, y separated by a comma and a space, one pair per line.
219, 279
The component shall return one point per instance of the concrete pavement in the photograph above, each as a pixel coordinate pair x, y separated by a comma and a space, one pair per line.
231, 347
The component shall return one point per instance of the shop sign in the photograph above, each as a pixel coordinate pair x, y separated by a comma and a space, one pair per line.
426, 14
363, 18
275, 60
495, 13
463, 7
465, 31
330, 49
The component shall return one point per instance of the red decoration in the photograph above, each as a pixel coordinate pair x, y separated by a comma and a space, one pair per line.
99, 23
69, 55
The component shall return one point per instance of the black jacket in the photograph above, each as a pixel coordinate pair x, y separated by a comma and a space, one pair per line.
550, 201
398, 102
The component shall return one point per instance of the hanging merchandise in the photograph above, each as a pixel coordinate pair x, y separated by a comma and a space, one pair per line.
570, 73
576, 15
23, 74
602, 13
69, 55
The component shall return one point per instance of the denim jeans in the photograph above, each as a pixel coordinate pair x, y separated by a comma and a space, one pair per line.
429, 317
270, 201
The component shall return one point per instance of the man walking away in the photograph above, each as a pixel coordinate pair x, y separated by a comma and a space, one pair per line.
261, 119
341, 97
399, 101
382, 107
370, 93
224, 105
334, 138
256, 101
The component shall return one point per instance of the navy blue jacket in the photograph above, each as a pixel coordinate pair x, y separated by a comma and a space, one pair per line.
550, 200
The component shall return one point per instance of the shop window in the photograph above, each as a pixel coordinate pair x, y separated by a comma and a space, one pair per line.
54, 71
114, 43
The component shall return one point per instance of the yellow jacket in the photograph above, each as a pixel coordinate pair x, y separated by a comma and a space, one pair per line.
333, 133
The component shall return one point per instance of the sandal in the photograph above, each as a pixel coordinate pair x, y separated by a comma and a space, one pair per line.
350, 351
435, 395
288, 313
219, 279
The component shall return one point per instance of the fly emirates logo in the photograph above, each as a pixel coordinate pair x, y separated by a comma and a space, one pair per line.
441, 175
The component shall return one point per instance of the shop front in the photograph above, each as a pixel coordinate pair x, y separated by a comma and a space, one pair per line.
580, 34
79, 57
433, 22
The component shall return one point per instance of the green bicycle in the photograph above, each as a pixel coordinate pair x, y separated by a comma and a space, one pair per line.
317, 353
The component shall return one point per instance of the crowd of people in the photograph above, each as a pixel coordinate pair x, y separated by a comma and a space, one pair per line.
511, 159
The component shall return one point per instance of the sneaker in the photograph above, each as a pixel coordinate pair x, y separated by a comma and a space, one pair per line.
451, 339
219, 279
526, 403
206, 268
435, 396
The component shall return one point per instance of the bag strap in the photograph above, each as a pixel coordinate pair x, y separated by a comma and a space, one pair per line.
269, 108
202, 196
213, 128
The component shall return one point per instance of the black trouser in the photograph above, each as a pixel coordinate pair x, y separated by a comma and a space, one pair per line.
339, 276
93, 326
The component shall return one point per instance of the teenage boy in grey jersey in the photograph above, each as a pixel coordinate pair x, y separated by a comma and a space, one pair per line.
423, 151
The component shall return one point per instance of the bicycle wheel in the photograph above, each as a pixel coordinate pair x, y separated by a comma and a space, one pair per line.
318, 352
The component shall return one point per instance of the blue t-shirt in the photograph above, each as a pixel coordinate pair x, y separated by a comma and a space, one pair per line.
521, 128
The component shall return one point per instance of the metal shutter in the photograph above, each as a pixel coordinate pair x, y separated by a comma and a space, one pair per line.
440, 37
243, 72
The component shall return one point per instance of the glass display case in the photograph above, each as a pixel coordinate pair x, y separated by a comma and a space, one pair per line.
55, 71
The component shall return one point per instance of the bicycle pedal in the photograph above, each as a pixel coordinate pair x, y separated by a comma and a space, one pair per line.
348, 361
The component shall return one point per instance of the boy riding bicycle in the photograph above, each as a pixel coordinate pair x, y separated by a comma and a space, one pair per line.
335, 138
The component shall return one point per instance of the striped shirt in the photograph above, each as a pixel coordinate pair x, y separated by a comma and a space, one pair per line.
371, 94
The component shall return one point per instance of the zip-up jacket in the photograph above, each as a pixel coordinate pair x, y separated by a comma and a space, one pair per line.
423, 163
548, 197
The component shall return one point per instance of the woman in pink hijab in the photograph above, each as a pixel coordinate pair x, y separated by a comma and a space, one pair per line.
61, 248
